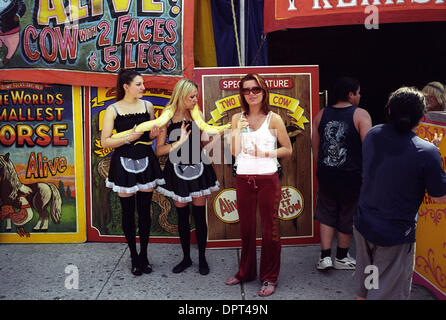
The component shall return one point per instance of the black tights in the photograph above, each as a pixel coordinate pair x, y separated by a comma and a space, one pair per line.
199, 214
143, 205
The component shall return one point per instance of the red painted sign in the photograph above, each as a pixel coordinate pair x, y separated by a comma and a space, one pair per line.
282, 14
274, 83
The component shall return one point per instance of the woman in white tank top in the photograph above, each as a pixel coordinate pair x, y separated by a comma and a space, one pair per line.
257, 181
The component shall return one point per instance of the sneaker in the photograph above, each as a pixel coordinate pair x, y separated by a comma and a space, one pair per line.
347, 263
324, 263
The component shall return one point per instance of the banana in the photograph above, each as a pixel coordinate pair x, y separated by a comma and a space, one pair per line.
148, 125
195, 113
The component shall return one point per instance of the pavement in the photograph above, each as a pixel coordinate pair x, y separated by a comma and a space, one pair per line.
101, 271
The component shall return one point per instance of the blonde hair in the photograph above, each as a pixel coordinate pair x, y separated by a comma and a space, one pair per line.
437, 90
181, 90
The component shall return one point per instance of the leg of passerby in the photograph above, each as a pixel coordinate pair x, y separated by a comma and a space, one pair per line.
343, 259
383, 273
347, 210
327, 208
143, 205
327, 234
184, 232
364, 257
128, 227
199, 214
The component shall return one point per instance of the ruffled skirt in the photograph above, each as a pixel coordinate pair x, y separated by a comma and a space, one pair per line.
128, 175
184, 182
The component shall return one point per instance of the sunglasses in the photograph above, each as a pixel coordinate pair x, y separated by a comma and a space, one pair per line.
255, 90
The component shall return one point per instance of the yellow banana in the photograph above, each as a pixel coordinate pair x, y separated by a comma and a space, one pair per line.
195, 113
148, 125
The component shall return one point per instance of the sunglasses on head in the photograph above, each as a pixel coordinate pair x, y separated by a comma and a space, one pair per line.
255, 90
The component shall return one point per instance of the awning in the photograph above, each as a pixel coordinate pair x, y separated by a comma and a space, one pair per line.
283, 14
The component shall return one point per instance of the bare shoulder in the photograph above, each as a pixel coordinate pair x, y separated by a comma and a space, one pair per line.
361, 114
111, 111
149, 104
319, 114
318, 117
276, 119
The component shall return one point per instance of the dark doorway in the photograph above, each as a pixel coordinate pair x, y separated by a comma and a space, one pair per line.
383, 60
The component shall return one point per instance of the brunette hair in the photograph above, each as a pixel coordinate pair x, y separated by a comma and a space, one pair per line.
406, 106
125, 76
262, 85
343, 86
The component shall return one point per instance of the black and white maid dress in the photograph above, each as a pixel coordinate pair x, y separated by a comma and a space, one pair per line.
133, 166
190, 176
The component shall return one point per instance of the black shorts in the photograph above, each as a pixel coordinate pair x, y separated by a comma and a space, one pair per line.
337, 212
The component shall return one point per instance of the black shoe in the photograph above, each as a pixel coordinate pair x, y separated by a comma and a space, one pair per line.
136, 266
183, 265
203, 268
146, 267
136, 270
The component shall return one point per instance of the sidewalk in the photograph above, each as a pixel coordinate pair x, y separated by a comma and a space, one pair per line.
38, 272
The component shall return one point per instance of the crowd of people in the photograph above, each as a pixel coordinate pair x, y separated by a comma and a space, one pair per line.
371, 180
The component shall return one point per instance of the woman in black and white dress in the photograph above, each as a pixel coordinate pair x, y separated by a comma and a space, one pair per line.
188, 177
134, 169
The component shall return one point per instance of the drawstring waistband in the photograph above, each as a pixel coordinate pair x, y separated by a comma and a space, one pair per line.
252, 179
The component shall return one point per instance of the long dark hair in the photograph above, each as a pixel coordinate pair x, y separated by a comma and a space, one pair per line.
125, 76
262, 84
405, 108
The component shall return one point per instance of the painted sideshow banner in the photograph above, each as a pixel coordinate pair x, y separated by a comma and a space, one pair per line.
103, 207
430, 255
294, 96
85, 43
283, 14
41, 163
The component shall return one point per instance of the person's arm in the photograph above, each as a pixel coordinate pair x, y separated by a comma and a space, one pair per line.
207, 141
236, 124
107, 130
363, 122
435, 176
437, 139
162, 148
439, 199
315, 138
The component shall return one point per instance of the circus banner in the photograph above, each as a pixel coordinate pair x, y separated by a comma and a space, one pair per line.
294, 96
85, 43
283, 14
103, 206
41, 163
430, 255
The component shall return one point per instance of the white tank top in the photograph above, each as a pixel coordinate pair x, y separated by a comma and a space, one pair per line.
262, 137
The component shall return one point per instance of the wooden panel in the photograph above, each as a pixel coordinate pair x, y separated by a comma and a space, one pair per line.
297, 169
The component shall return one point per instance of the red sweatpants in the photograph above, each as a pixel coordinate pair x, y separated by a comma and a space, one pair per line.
263, 190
